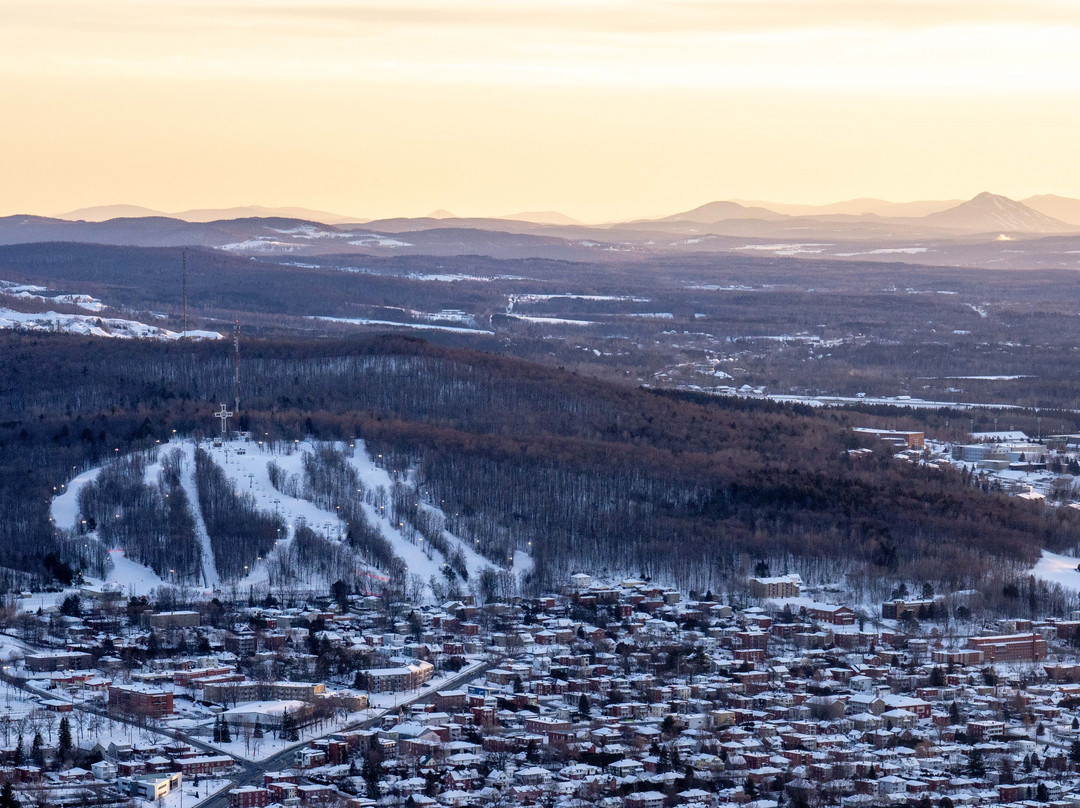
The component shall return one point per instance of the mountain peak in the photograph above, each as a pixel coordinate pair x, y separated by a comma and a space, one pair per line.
541, 217
713, 212
987, 212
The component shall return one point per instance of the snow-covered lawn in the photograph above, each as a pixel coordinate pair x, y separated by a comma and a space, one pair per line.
245, 746
1058, 569
192, 795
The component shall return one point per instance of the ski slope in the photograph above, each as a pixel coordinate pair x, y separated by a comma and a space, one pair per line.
374, 477
245, 465
187, 482
130, 577
64, 508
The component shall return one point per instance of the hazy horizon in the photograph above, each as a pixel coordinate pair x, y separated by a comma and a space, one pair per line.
604, 110
779, 206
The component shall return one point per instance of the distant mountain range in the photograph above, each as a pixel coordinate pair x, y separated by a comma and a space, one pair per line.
1057, 207
858, 207
104, 213
1045, 213
1041, 231
984, 213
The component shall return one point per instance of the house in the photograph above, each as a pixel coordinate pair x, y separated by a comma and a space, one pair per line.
645, 799
104, 770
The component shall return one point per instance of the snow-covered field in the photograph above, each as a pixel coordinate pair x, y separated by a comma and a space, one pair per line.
389, 323
260, 246
787, 249
1058, 569
92, 325
247, 747
550, 320
453, 278
31, 292
375, 240
888, 251
894, 401
306, 234
539, 298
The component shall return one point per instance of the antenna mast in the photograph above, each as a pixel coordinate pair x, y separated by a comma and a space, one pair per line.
183, 276
236, 364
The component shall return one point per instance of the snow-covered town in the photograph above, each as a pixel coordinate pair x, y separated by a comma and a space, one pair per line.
608, 693
1039, 468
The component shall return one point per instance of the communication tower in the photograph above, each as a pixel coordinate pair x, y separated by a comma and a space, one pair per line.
236, 366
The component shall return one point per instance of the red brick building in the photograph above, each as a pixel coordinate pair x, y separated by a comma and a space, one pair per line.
205, 764
141, 700
249, 797
1011, 647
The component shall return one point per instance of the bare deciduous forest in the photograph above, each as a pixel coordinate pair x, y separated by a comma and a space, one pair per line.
575, 471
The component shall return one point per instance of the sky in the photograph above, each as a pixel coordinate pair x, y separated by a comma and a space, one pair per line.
601, 109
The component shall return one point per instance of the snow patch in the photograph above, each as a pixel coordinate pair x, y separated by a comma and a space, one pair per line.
90, 325
1058, 569
375, 240
787, 249
393, 323
550, 320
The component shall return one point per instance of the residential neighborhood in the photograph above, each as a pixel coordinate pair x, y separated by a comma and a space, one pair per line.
607, 693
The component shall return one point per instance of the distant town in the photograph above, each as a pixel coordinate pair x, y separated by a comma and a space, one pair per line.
1037, 469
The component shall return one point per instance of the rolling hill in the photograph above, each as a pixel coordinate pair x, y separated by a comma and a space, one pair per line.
522, 459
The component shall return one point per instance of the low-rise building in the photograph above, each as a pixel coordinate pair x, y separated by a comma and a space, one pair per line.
141, 700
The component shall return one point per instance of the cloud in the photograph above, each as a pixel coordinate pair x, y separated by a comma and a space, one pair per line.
918, 46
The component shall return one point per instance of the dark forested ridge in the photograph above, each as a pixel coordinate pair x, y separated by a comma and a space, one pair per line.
576, 472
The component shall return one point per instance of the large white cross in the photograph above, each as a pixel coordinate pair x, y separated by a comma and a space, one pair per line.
224, 415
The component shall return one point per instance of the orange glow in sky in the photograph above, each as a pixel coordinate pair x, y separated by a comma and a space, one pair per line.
601, 109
